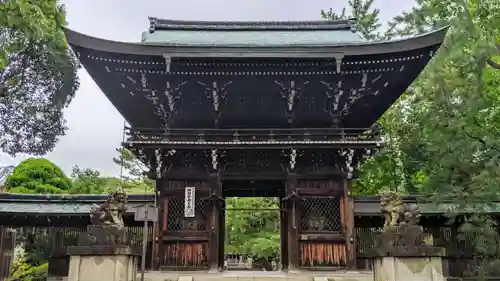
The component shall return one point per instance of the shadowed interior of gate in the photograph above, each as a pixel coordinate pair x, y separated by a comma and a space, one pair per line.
251, 188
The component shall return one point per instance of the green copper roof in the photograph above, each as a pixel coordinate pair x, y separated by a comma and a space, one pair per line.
249, 38
257, 34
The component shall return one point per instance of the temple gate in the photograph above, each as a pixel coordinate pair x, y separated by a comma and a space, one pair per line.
228, 103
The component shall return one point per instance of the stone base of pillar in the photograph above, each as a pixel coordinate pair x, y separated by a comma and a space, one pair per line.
110, 263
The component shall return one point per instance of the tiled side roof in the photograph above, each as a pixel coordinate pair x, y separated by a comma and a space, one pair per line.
56, 204
52, 208
68, 198
80, 204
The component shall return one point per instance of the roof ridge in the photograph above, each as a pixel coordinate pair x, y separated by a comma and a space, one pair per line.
169, 24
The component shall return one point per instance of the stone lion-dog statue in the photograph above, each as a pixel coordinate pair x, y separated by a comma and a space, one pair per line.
396, 213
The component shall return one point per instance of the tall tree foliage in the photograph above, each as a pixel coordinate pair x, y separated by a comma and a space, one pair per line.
38, 75
134, 171
368, 22
130, 163
447, 126
254, 231
38, 175
451, 133
87, 181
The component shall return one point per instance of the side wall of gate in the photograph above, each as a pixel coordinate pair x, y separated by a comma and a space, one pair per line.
186, 243
321, 224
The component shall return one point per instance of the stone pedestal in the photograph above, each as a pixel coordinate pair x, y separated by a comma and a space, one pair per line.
97, 263
402, 254
408, 269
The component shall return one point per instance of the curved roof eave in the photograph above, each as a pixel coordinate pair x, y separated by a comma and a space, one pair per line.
345, 49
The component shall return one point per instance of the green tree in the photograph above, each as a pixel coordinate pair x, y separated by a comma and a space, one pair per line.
87, 181
134, 172
38, 75
38, 175
130, 163
446, 131
131, 186
451, 134
367, 17
254, 231
22, 270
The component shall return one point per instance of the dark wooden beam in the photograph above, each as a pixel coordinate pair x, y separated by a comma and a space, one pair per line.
262, 175
250, 146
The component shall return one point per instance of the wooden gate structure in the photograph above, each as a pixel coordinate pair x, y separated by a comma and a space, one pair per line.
285, 109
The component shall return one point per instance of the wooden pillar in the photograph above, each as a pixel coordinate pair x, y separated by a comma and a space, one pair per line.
4, 266
214, 261
283, 236
222, 237
157, 234
349, 225
162, 202
292, 223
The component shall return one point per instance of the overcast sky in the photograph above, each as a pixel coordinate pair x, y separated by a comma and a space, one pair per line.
95, 127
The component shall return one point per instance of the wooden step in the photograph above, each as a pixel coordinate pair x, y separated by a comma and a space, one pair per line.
260, 276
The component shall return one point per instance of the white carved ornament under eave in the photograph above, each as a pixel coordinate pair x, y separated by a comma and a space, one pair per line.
173, 93
162, 161
159, 162
152, 96
215, 160
348, 155
333, 96
292, 155
216, 93
362, 91
128, 80
293, 159
291, 93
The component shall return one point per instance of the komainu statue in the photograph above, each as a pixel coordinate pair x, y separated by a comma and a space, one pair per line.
396, 213
110, 212
402, 236
107, 226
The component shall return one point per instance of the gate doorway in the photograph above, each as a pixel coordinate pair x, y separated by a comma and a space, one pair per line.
253, 226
